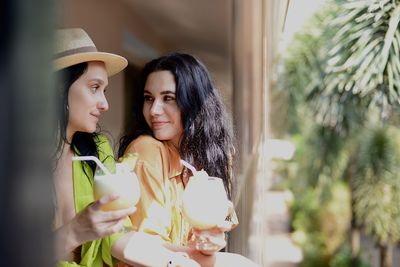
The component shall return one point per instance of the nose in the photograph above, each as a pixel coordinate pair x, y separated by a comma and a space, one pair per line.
102, 104
156, 108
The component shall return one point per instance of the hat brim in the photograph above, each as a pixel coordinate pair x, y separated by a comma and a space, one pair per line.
113, 63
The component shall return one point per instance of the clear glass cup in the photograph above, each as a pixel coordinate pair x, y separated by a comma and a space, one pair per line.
123, 183
205, 202
205, 206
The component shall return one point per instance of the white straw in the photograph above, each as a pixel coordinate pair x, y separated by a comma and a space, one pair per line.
187, 165
92, 158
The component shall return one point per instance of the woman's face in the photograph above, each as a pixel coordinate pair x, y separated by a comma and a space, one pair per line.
160, 109
86, 99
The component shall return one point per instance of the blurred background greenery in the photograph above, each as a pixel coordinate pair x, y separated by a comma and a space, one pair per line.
340, 79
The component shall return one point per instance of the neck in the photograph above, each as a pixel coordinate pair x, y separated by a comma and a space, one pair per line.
176, 142
66, 149
64, 153
69, 135
175, 145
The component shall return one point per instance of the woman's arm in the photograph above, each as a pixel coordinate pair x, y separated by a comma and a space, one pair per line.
141, 249
66, 242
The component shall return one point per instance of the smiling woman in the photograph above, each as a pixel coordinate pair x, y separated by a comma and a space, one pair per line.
86, 234
160, 109
179, 115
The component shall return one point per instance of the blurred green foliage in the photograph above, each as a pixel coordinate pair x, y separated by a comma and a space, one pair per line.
343, 258
341, 80
376, 183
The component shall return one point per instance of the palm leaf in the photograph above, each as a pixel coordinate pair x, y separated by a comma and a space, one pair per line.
366, 44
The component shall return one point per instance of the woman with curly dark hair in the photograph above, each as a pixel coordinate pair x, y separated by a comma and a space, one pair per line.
178, 114
206, 137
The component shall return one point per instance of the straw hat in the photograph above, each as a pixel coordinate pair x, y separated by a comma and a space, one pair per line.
74, 46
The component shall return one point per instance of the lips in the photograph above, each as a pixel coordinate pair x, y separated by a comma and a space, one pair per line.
96, 116
158, 124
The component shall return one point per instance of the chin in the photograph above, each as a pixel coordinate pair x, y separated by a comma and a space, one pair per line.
91, 129
162, 137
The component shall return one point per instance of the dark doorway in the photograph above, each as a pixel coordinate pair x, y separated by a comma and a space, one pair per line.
131, 80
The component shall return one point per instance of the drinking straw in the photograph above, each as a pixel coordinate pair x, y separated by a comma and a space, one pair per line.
187, 165
92, 158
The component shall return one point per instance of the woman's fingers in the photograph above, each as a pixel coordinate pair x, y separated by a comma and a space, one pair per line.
218, 240
104, 225
106, 222
111, 229
208, 241
92, 223
225, 226
98, 204
107, 216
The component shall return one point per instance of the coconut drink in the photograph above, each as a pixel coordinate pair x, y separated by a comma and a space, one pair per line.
123, 183
205, 203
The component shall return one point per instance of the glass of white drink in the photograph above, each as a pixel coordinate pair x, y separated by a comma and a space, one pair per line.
205, 204
123, 183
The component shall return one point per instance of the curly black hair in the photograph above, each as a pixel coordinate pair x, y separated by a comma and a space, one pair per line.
207, 141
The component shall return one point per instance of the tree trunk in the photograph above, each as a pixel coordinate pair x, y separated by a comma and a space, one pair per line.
355, 245
355, 231
386, 255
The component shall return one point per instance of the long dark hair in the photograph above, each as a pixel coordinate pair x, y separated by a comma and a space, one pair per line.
207, 140
82, 143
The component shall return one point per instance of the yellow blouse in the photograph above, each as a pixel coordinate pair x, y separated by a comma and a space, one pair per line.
159, 209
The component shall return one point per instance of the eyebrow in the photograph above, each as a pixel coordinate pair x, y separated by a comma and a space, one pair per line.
167, 92
100, 81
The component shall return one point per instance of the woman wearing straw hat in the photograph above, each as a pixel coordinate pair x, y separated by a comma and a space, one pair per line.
86, 235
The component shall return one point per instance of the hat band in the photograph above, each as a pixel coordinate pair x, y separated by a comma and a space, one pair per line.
79, 50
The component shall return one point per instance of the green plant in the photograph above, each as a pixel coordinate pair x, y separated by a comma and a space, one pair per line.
343, 258
377, 184
343, 86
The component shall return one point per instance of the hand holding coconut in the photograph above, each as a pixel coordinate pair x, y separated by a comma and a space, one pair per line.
205, 207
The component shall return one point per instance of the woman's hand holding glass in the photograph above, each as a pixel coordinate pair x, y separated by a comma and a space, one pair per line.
209, 241
206, 207
123, 183
93, 223
115, 193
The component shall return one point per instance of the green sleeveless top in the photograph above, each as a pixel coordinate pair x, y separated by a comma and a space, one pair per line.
95, 253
